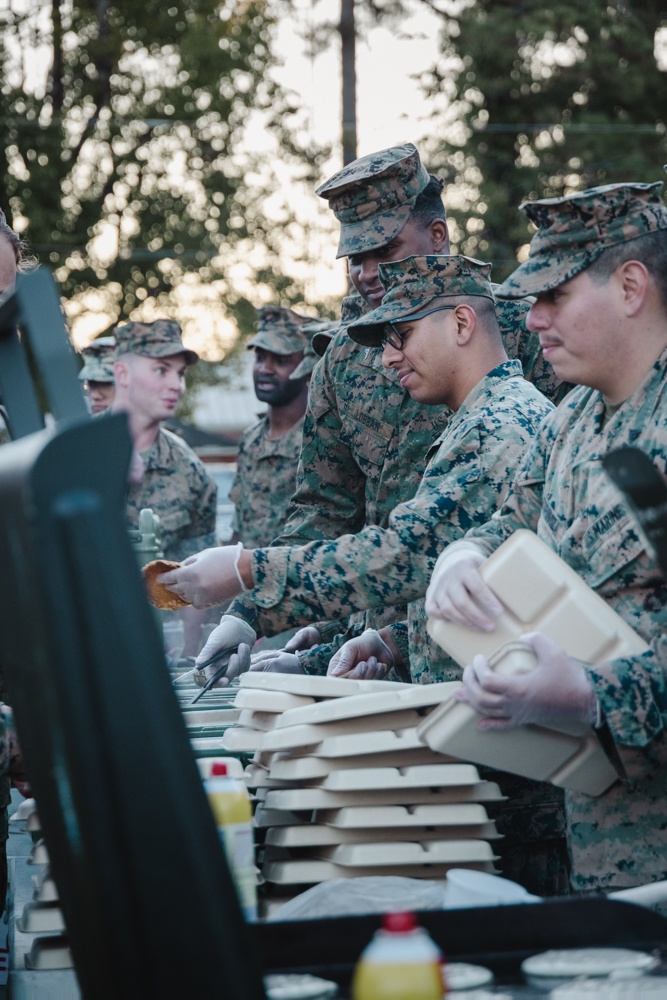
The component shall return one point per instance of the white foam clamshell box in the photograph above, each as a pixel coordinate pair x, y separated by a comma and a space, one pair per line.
309, 768
309, 736
539, 592
312, 686
402, 697
319, 835
301, 799
305, 871
261, 700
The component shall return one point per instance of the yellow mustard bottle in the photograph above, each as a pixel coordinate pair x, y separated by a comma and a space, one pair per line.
231, 808
402, 962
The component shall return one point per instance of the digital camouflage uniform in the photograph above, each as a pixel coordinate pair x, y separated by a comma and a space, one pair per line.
561, 492
266, 467
365, 441
175, 484
468, 470
177, 487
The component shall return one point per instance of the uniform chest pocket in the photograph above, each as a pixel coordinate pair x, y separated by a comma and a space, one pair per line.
610, 544
366, 436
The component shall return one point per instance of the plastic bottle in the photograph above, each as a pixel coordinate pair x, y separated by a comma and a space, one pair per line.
233, 815
402, 962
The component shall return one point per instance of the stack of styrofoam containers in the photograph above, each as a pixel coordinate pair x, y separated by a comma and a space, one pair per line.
40, 921
344, 787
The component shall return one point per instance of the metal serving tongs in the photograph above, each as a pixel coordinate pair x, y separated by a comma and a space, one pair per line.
225, 655
207, 663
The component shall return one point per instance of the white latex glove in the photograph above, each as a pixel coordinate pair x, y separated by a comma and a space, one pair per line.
207, 578
277, 661
557, 691
231, 631
366, 657
305, 638
457, 592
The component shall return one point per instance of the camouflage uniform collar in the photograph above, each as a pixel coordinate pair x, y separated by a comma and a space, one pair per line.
573, 231
505, 370
419, 285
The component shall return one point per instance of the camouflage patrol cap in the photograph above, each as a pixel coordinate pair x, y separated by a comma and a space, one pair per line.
98, 359
573, 231
280, 330
372, 197
160, 339
418, 286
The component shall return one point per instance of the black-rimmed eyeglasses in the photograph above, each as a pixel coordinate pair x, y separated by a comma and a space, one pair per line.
396, 339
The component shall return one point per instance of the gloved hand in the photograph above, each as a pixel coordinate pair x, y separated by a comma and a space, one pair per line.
457, 592
305, 638
231, 631
206, 579
277, 661
366, 657
557, 691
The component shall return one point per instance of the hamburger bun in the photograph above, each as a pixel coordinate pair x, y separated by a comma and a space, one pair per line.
158, 595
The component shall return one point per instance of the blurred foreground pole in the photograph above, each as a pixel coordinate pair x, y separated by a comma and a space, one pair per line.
348, 42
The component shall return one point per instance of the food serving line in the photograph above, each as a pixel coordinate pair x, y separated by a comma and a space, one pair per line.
115, 757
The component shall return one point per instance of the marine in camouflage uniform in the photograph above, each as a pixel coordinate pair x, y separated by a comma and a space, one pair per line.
365, 441
465, 481
174, 484
267, 462
562, 493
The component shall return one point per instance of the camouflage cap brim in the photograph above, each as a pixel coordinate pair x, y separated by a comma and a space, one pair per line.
572, 231
370, 332
541, 274
306, 365
167, 351
95, 370
277, 343
321, 341
373, 233
418, 286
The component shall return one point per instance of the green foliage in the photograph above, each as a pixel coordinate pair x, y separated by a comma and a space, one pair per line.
541, 100
127, 171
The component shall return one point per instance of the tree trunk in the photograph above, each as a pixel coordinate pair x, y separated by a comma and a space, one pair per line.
348, 40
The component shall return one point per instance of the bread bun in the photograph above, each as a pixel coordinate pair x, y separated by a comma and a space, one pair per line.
158, 595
